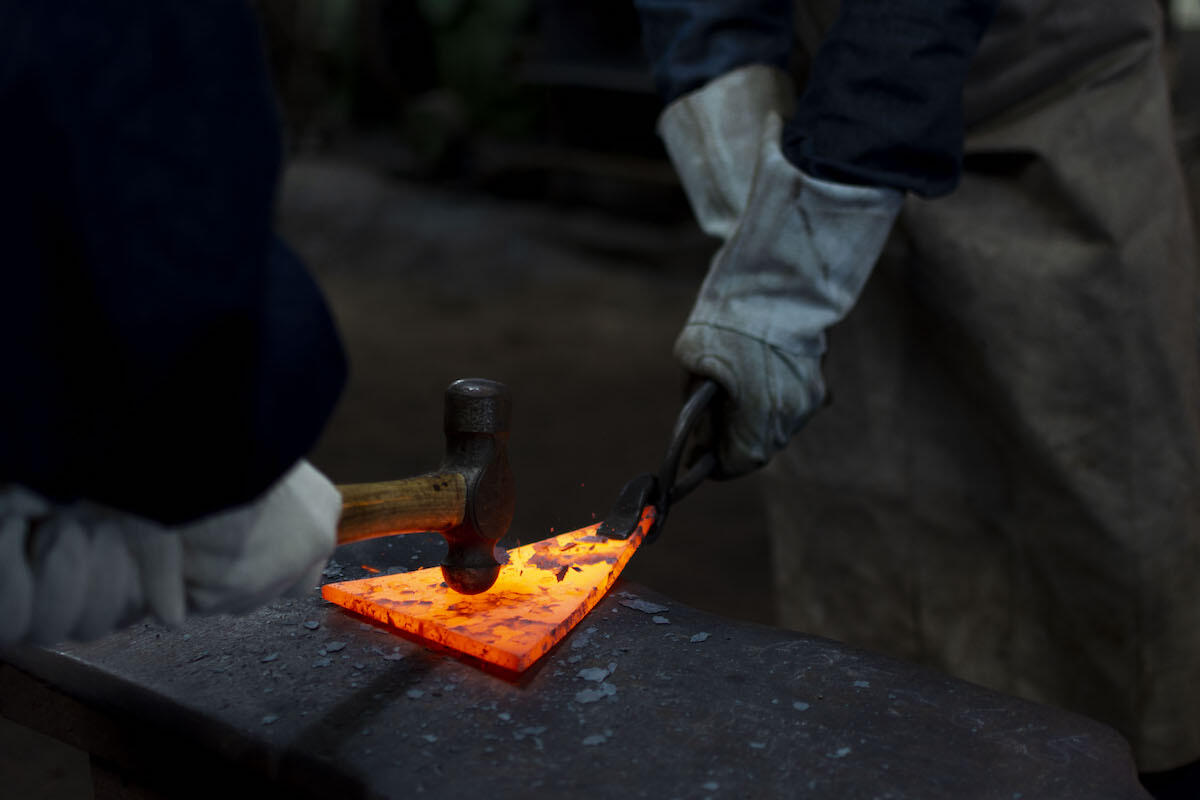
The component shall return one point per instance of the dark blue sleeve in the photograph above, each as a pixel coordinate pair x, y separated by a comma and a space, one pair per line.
690, 42
883, 102
163, 352
883, 105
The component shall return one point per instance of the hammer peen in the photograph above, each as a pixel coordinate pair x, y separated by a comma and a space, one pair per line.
469, 499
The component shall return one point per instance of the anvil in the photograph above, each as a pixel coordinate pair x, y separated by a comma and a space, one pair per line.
645, 698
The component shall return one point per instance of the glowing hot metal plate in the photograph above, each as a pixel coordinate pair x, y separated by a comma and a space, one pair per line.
544, 591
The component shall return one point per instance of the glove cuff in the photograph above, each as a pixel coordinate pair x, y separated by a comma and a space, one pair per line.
713, 135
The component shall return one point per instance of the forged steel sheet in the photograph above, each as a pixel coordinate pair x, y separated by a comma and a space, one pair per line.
544, 591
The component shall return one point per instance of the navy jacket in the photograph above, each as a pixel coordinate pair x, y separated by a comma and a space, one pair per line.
160, 350
883, 103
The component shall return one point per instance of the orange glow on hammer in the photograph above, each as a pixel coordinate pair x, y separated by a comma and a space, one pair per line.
544, 591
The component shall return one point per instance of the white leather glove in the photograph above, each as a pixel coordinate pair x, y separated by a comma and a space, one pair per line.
237, 560
80, 571
793, 265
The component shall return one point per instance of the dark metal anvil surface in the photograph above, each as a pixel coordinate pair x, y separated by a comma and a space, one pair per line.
306, 700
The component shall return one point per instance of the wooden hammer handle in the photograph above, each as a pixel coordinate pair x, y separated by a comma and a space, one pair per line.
434, 502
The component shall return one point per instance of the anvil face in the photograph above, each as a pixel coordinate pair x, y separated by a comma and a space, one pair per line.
544, 590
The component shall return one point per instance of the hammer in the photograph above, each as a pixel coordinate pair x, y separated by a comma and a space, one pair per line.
469, 499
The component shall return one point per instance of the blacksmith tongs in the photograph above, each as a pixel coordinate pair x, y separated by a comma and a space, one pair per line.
667, 487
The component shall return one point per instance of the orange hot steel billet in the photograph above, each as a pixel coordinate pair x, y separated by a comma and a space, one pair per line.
544, 590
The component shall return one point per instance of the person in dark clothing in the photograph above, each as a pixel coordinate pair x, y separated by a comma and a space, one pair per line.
1007, 486
167, 361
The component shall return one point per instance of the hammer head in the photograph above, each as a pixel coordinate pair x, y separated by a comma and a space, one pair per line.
477, 417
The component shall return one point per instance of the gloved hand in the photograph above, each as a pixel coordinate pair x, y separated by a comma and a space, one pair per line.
81, 571
793, 264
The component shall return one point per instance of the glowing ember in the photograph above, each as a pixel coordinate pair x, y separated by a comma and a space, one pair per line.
544, 591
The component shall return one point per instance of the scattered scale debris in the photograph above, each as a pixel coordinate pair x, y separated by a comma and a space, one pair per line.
532, 731
593, 695
645, 606
395, 655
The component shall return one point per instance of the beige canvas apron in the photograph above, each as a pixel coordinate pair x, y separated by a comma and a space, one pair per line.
1007, 483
